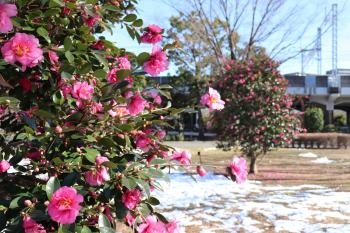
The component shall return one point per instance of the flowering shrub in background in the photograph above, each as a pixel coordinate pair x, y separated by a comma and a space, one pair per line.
257, 114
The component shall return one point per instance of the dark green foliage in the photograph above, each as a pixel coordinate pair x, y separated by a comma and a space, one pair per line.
314, 119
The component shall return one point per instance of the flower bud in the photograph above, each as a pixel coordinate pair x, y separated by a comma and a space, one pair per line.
201, 171
58, 129
28, 203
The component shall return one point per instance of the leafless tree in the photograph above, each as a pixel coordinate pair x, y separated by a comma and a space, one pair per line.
277, 25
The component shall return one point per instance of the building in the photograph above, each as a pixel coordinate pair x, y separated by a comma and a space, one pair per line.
330, 92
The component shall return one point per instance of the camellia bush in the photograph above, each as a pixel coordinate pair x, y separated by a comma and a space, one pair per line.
258, 115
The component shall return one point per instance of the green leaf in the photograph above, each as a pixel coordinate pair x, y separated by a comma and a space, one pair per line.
125, 128
176, 111
106, 230
142, 57
121, 84
165, 93
153, 201
56, 2
91, 154
122, 74
66, 75
85, 229
110, 165
85, 69
161, 217
51, 186
129, 182
131, 32
66, 228
67, 44
58, 98
145, 210
100, 74
157, 161
130, 18
165, 86
44, 33
108, 142
69, 56
101, 59
45, 115
138, 23
15, 202
9, 100
145, 186
103, 221
111, 8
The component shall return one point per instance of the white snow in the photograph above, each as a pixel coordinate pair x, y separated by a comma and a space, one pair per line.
216, 203
308, 155
324, 160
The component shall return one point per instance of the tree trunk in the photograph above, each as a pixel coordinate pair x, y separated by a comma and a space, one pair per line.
253, 168
200, 125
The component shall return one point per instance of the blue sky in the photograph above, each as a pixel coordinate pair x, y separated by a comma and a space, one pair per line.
158, 12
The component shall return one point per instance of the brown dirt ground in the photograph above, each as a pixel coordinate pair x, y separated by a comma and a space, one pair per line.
284, 166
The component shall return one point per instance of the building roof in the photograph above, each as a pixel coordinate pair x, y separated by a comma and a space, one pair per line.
302, 75
339, 71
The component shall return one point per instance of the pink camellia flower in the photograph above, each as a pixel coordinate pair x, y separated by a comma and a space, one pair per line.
152, 35
25, 84
53, 57
157, 63
5, 23
129, 219
112, 76
172, 227
96, 108
164, 154
7, 11
201, 171
119, 111
82, 90
131, 198
4, 166
123, 63
183, 157
112, 113
142, 141
64, 205
155, 96
90, 22
136, 105
23, 48
161, 134
31, 226
98, 177
239, 169
213, 100
152, 225
99, 45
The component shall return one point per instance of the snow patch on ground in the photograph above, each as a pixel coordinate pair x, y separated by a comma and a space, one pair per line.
308, 155
324, 160
216, 203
